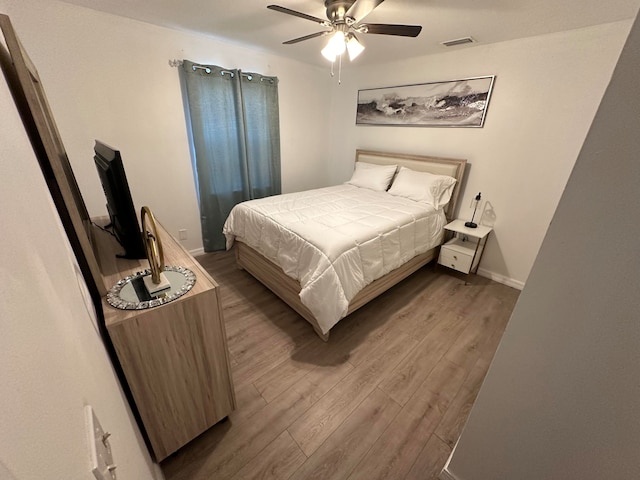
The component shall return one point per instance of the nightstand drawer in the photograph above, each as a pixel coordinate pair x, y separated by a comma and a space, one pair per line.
464, 250
454, 259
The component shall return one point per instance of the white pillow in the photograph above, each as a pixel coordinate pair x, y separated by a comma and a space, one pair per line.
423, 187
374, 177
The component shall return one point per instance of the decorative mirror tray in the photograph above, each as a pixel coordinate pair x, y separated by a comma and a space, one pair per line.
130, 293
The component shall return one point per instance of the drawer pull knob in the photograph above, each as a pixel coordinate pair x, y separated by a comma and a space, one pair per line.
455, 258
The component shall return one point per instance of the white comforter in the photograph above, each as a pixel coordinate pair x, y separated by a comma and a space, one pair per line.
335, 240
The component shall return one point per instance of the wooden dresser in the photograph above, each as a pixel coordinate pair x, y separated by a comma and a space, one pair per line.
174, 356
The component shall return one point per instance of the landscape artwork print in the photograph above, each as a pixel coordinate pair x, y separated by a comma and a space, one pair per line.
454, 103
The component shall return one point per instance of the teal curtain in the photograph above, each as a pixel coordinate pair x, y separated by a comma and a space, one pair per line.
234, 127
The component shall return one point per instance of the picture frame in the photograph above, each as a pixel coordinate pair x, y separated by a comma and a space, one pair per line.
450, 103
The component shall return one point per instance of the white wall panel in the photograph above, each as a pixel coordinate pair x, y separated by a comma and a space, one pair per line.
560, 400
545, 95
108, 78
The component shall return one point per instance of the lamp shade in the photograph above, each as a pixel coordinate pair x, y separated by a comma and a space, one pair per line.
354, 47
335, 46
327, 53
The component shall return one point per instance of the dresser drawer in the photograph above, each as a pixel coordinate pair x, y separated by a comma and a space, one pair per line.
455, 259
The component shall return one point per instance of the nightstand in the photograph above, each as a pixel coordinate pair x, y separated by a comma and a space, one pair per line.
464, 250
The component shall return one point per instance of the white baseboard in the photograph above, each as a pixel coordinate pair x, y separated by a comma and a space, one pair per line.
197, 251
445, 475
157, 472
510, 282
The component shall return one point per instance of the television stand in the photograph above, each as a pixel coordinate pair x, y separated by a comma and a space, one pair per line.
174, 356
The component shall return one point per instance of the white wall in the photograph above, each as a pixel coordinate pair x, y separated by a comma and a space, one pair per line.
52, 360
545, 95
560, 400
108, 78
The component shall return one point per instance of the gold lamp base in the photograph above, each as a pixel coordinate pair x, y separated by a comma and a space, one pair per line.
157, 281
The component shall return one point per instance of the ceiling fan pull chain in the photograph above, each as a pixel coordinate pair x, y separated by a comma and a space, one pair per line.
340, 70
332, 74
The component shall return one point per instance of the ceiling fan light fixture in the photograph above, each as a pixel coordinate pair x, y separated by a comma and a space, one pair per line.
335, 46
328, 53
344, 19
354, 47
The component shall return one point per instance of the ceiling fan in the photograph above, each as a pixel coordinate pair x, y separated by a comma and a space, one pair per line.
344, 19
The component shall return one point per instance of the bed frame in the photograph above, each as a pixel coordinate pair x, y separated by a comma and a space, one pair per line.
288, 289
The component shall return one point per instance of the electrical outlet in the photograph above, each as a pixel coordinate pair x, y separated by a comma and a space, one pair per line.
102, 465
182, 234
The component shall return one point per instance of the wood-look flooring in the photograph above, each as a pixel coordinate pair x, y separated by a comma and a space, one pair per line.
385, 398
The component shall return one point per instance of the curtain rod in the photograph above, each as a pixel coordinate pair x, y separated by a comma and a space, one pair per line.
248, 76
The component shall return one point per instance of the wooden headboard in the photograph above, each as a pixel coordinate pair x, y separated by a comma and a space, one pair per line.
439, 166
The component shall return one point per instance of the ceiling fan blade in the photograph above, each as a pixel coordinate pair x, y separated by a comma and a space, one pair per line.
288, 11
362, 8
306, 37
388, 29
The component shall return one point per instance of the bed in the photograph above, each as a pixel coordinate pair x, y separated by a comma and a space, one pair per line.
327, 252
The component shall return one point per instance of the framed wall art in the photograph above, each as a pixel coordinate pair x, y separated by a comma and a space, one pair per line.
452, 103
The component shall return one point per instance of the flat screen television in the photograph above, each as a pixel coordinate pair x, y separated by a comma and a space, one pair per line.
122, 213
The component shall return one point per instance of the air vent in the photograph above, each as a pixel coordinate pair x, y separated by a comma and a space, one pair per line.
458, 41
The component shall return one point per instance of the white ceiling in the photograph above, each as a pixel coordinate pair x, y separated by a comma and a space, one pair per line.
248, 22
